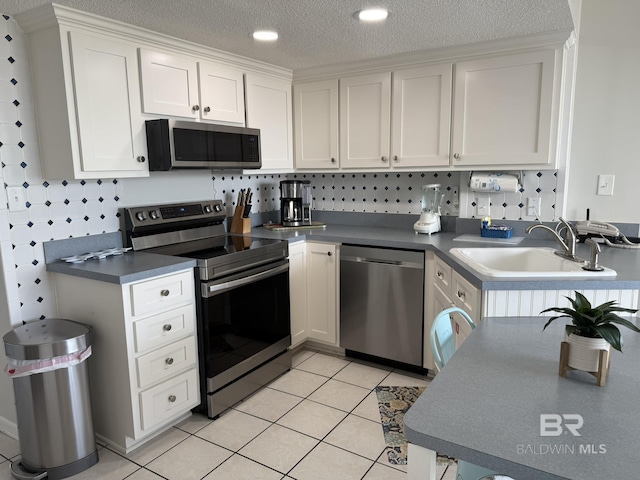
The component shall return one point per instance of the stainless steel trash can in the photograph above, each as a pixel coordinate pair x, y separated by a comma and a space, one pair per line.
55, 423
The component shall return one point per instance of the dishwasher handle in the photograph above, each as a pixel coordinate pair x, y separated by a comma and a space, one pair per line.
395, 263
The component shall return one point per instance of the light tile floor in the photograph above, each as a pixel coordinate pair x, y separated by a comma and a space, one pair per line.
318, 421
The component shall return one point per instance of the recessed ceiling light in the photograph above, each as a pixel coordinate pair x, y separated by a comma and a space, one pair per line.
372, 14
265, 35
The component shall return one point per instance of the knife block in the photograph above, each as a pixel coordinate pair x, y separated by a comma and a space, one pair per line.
239, 224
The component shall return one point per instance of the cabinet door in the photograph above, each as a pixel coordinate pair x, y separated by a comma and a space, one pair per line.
421, 117
465, 296
316, 124
169, 84
365, 120
269, 109
221, 93
504, 109
298, 292
109, 122
322, 284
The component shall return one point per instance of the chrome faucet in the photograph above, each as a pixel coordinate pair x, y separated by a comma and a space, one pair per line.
568, 243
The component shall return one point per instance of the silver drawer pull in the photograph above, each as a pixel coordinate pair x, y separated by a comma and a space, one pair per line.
172, 398
166, 327
165, 292
169, 361
460, 294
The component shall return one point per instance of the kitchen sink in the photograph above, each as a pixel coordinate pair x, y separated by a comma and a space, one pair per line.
523, 262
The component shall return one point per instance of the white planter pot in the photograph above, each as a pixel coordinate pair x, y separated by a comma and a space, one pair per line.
584, 353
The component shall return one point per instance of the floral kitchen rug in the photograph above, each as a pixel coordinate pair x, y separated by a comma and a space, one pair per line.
393, 403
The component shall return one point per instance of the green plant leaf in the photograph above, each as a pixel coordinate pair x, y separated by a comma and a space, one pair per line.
611, 334
622, 321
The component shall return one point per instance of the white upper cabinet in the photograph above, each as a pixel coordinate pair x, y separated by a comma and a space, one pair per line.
184, 87
505, 111
269, 109
365, 114
404, 127
316, 124
86, 95
221, 93
421, 117
107, 105
169, 84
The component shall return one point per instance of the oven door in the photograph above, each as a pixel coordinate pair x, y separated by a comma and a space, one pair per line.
244, 322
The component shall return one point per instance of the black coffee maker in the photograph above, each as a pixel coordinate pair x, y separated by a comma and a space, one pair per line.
295, 203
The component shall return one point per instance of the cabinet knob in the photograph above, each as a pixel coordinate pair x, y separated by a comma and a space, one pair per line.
439, 274
169, 361
456, 156
395, 158
164, 293
167, 327
460, 294
172, 398
333, 160
383, 158
195, 108
141, 159
207, 109
329, 253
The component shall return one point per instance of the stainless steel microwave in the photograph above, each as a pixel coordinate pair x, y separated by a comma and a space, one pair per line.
174, 144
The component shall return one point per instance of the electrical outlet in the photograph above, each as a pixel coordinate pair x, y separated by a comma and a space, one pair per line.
455, 197
482, 205
533, 206
15, 199
605, 184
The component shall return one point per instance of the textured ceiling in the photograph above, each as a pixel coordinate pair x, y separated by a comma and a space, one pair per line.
322, 32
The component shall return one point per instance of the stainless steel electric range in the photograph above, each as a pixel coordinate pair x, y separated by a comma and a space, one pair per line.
242, 295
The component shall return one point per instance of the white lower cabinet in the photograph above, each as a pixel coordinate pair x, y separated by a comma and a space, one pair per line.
144, 366
298, 292
314, 292
446, 288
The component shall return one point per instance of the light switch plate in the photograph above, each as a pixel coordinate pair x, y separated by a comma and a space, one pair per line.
15, 199
605, 184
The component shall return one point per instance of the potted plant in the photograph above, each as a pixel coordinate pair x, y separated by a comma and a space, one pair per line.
592, 329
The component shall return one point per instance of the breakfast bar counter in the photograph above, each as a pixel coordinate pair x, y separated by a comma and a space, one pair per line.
487, 407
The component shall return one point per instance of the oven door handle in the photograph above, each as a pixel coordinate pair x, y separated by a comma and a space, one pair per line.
211, 290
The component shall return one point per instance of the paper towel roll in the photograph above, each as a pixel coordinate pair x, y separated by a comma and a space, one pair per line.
494, 183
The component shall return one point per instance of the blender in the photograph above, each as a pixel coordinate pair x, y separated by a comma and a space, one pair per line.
429, 221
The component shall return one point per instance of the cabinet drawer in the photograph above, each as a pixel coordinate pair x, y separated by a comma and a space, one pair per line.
442, 274
161, 293
169, 399
465, 295
166, 361
164, 328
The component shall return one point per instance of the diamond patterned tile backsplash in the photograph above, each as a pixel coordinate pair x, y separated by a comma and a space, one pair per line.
57, 209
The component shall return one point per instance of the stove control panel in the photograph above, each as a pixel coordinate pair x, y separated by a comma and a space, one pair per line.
210, 210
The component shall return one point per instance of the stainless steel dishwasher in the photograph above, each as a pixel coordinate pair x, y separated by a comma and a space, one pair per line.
382, 302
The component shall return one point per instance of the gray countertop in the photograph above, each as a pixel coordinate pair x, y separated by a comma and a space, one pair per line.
130, 267
485, 406
625, 262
